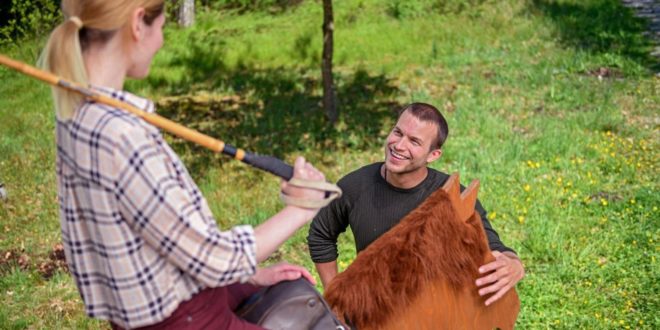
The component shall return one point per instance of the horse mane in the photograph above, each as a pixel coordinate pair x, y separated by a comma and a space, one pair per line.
431, 243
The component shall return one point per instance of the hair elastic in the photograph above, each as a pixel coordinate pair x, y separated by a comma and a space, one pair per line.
76, 20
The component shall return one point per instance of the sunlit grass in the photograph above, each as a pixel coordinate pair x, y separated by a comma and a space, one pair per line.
566, 152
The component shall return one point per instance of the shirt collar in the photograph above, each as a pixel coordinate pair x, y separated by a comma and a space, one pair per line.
132, 99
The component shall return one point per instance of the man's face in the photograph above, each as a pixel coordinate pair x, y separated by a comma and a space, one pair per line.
408, 146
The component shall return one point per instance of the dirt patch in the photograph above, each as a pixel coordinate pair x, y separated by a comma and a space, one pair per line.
605, 73
45, 266
14, 257
609, 196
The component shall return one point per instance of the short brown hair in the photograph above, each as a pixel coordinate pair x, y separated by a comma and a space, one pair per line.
429, 113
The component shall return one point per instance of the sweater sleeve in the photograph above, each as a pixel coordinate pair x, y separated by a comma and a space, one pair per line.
494, 242
331, 221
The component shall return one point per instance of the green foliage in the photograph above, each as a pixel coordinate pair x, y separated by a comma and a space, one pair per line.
599, 26
562, 136
251, 5
404, 9
401, 9
457, 6
28, 18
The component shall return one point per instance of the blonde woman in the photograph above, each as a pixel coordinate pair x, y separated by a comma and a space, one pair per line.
140, 240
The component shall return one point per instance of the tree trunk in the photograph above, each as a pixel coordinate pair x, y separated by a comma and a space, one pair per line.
186, 13
329, 93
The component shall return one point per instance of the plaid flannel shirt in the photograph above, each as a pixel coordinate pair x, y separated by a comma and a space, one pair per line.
139, 237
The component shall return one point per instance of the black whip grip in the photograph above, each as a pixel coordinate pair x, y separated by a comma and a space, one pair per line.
270, 164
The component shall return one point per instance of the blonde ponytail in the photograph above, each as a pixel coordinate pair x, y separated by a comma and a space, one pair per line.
96, 21
63, 57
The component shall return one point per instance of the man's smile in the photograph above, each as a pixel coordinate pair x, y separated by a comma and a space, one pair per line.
398, 155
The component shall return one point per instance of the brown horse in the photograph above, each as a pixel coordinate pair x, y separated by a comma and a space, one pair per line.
421, 274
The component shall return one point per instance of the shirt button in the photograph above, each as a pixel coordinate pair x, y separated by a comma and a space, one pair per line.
189, 319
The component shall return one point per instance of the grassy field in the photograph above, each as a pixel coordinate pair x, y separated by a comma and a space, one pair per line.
553, 105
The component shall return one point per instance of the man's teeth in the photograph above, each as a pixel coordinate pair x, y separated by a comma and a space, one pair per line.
398, 155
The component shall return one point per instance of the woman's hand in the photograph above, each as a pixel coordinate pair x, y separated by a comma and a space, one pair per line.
304, 171
272, 233
279, 272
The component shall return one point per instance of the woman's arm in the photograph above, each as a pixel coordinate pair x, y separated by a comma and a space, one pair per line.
272, 233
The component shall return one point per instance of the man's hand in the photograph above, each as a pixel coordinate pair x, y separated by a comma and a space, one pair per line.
502, 275
279, 272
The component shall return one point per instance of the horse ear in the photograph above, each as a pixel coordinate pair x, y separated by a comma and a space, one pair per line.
469, 197
463, 204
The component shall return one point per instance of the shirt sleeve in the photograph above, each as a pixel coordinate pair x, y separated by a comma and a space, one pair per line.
331, 221
169, 215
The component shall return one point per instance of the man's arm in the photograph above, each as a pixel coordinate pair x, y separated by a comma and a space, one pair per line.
505, 272
327, 271
331, 221
494, 242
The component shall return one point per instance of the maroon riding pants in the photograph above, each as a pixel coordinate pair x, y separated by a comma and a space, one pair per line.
211, 308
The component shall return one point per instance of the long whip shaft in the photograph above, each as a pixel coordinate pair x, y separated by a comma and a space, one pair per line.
266, 163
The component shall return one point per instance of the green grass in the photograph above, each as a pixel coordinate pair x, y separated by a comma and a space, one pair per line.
567, 160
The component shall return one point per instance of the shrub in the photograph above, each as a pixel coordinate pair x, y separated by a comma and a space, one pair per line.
23, 18
251, 5
456, 6
401, 9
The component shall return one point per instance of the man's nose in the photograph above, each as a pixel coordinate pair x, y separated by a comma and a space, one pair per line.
400, 144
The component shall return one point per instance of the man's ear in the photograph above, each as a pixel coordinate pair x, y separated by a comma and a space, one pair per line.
433, 155
137, 18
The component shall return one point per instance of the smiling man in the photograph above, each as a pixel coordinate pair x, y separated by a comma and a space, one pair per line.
376, 197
